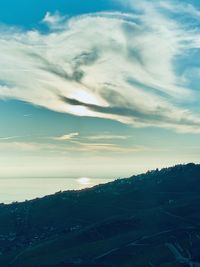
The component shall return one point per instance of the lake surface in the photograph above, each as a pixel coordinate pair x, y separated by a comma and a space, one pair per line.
20, 189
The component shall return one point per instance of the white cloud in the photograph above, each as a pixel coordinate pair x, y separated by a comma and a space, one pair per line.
107, 137
54, 21
107, 148
109, 65
65, 137
28, 115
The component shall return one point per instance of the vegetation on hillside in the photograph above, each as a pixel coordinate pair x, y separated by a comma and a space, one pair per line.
152, 219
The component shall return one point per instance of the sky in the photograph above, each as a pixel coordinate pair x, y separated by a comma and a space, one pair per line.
105, 88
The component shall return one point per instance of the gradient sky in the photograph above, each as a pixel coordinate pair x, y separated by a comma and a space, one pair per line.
98, 88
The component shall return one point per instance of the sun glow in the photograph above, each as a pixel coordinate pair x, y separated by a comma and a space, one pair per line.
85, 97
84, 181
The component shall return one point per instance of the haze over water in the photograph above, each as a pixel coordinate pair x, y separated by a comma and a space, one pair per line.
21, 189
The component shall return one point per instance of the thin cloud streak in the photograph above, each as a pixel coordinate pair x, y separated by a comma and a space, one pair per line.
72, 147
108, 147
9, 138
108, 137
65, 137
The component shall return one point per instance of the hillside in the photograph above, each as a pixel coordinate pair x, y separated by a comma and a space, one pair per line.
152, 219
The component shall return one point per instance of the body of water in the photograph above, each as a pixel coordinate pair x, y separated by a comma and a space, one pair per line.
21, 189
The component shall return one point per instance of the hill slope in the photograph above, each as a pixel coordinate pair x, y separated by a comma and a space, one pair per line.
151, 219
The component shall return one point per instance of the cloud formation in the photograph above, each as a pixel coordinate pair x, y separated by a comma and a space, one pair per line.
65, 137
108, 147
108, 137
108, 65
69, 148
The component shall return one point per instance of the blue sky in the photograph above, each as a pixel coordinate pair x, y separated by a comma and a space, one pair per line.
98, 88
18, 13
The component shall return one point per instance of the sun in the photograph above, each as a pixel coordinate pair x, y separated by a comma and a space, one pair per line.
84, 181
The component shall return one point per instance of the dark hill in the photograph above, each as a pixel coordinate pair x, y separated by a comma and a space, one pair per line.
152, 219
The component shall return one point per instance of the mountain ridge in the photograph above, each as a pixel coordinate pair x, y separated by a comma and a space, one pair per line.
121, 223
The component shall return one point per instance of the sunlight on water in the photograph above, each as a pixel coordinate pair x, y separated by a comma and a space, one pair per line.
25, 189
84, 181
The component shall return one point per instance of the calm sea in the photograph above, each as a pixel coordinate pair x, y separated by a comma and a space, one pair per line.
20, 189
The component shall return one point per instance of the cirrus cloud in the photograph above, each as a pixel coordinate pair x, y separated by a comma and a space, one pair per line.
107, 65
65, 137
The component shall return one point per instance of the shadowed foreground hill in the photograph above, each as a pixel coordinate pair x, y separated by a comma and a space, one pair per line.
151, 220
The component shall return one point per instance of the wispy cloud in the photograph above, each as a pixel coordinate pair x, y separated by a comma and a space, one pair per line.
108, 137
65, 137
9, 138
108, 65
72, 143
20, 146
54, 21
31, 147
107, 147
28, 115
71, 147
